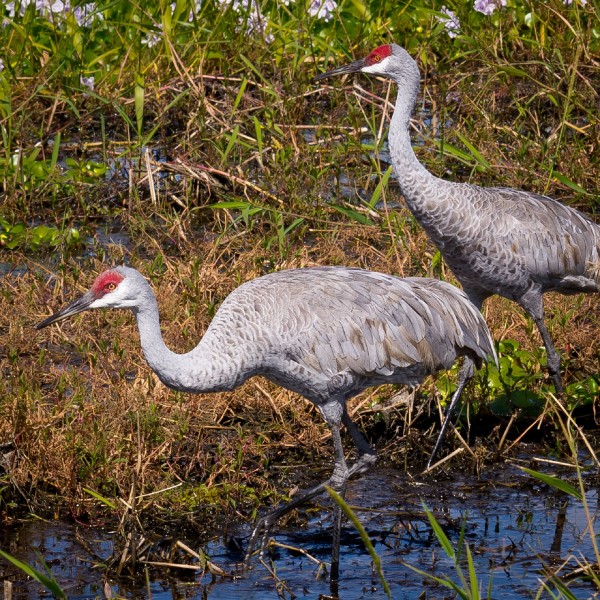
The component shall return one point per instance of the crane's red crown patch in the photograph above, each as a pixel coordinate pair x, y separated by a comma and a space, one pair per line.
106, 283
379, 54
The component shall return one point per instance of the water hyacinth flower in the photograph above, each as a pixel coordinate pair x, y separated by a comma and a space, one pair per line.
451, 22
87, 82
570, 2
86, 14
1, 65
250, 13
322, 9
487, 7
195, 10
11, 7
152, 38
48, 7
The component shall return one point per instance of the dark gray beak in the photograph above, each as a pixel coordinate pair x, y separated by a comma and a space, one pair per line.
354, 67
75, 307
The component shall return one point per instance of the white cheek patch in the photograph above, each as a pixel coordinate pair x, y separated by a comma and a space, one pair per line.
376, 68
112, 299
99, 303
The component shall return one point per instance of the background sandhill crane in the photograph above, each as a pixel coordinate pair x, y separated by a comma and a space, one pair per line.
326, 332
496, 240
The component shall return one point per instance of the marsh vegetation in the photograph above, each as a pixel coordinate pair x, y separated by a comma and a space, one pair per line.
189, 140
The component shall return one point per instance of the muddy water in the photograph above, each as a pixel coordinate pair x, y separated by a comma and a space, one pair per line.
514, 527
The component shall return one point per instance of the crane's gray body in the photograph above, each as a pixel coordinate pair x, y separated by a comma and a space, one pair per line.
496, 241
325, 332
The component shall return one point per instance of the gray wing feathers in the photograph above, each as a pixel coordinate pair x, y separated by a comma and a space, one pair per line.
337, 319
555, 240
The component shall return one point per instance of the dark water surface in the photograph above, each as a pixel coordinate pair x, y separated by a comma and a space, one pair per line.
514, 526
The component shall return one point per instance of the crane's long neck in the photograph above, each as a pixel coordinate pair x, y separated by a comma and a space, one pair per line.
423, 192
204, 369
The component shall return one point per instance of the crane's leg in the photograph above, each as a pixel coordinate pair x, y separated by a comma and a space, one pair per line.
466, 372
552, 356
366, 454
533, 304
337, 481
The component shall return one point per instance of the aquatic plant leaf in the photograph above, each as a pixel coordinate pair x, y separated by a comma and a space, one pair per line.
364, 536
48, 582
554, 482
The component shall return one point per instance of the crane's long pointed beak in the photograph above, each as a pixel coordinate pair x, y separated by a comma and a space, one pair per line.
354, 67
75, 307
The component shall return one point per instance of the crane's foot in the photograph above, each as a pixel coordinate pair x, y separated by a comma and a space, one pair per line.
260, 535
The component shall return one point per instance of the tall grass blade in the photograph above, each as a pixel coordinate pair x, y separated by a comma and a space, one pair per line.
478, 156
564, 592
232, 140
472, 574
379, 189
570, 184
240, 95
55, 151
48, 582
439, 580
139, 95
363, 535
100, 498
353, 215
439, 534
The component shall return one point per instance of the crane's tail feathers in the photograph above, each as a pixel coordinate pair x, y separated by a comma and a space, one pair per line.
593, 270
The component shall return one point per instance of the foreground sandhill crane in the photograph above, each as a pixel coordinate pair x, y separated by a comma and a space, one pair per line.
496, 240
326, 333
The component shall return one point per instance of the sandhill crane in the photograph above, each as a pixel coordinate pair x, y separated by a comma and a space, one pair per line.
326, 333
496, 240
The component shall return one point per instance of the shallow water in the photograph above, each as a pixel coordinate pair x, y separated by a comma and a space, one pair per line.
513, 526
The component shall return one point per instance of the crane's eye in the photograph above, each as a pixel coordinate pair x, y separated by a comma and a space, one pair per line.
110, 286
376, 58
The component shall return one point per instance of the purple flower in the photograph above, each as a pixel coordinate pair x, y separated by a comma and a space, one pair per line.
152, 39
487, 7
85, 14
87, 82
322, 9
256, 22
451, 22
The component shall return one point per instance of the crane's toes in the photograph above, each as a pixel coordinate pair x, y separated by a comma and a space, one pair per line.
260, 536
